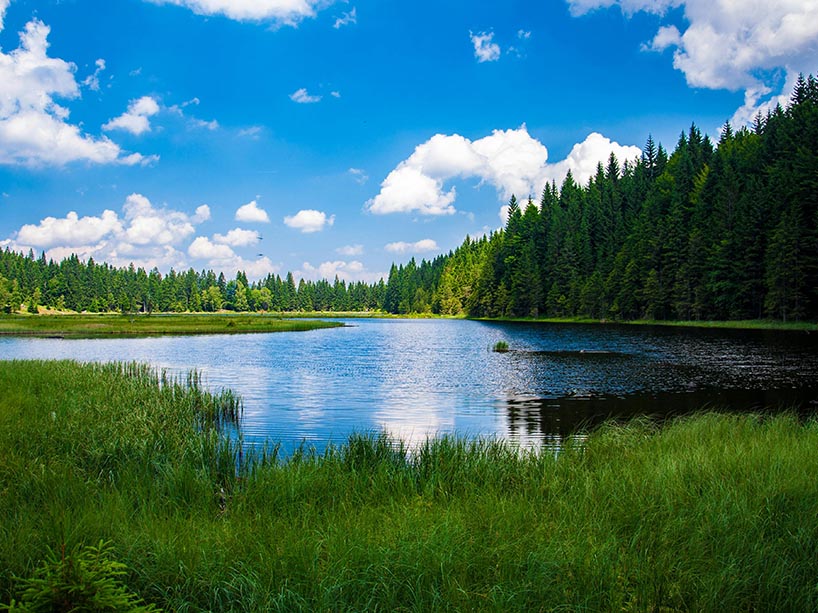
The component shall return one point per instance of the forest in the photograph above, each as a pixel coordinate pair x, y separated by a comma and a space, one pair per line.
725, 230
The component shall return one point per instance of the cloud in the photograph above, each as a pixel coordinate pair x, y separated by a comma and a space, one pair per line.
34, 129
523, 34
252, 132
302, 97
510, 160
252, 213
238, 238
202, 214
221, 258
3, 6
350, 250
421, 246
143, 234
92, 80
733, 44
346, 271
346, 19
359, 175
136, 119
285, 12
309, 220
335, 94
484, 49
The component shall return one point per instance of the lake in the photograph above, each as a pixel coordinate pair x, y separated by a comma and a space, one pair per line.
418, 378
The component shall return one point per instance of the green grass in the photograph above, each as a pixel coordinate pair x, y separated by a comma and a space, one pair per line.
109, 325
751, 324
712, 513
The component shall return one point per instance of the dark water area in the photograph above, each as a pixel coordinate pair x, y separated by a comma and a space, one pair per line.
419, 378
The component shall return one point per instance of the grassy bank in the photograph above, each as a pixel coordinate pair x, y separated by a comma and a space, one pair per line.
713, 513
750, 324
110, 325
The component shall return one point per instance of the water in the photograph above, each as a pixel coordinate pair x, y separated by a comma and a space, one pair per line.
418, 378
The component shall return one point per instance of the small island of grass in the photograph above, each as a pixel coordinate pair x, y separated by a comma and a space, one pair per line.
114, 325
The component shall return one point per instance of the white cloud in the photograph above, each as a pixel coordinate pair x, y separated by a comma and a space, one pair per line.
136, 119
3, 6
238, 238
252, 213
286, 12
34, 129
733, 44
510, 160
359, 175
202, 214
92, 80
350, 250
207, 125
143, 234
302, 97
203, 249
309, 220
584, 157
221, 258
346, 19
484, 49
70, 231
346, 271
523, 34
421, 246
252, 132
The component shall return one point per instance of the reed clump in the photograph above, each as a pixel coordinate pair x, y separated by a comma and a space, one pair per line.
709, 513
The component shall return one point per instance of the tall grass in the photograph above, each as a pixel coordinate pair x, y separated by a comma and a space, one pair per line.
709, 513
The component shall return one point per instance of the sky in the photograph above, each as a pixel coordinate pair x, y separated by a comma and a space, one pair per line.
336, 137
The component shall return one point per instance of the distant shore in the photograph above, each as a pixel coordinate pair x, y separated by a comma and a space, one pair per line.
85, 325
88, 325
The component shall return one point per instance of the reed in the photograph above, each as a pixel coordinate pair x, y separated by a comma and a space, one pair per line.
709, 513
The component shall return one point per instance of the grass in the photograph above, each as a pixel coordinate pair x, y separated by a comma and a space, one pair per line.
110, 325
500, 347
750, 324
712, 513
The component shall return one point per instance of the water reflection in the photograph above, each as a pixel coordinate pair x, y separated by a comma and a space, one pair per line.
418, 378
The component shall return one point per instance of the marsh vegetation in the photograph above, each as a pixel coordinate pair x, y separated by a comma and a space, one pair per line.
708, 513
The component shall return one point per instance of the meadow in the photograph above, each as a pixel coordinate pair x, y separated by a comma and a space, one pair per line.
84, 325
118, 485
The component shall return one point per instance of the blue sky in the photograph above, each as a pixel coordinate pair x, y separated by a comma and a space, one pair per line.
330, 138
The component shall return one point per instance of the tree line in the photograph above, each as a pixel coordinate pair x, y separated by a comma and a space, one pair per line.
709, 231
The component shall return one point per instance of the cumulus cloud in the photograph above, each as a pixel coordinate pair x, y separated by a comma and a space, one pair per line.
252, 132
303, 97
510, 160
286, 12
221, 258
252, 213
733, 44
34, 128
309, 220
346, 271
346, 19
421, 246
484, 49
136, 119
350, 250
238, 238
143, 234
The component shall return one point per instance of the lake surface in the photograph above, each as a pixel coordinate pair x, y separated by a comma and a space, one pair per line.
418, 378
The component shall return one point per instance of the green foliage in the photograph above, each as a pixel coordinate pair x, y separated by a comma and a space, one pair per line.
86, 578
500, 347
